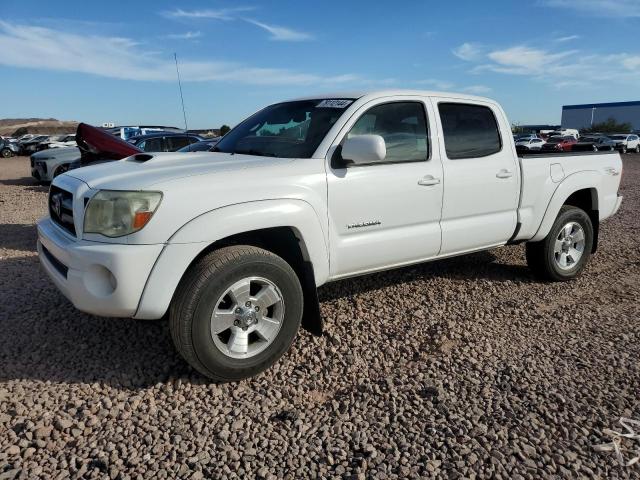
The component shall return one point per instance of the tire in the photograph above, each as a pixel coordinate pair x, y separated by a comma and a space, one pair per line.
60, 170
199, 295
6, 153
543, 257
623, 150
637, 149
595, 149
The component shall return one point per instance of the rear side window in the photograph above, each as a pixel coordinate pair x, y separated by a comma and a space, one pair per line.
176, 143
151, 145
402, 125
470, 131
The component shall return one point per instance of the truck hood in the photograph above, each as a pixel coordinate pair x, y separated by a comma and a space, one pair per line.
145, 170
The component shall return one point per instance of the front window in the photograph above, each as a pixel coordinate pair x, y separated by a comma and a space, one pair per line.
288, 130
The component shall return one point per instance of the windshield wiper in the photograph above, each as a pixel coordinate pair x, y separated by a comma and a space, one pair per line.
254, 152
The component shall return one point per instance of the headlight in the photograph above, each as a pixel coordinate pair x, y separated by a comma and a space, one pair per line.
116, 213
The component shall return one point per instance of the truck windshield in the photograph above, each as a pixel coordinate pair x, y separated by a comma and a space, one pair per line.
288, 130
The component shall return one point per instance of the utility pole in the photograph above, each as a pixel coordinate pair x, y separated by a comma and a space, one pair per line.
593, 111
175, 57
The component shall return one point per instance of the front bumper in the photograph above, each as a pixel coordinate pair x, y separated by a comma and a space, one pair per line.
103, 279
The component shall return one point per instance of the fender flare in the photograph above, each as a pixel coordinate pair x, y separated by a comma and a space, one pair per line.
199, 233
589, 179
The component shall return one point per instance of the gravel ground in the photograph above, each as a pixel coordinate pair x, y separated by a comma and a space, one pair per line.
461, 368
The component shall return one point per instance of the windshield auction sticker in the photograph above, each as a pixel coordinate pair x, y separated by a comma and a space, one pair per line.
334, 103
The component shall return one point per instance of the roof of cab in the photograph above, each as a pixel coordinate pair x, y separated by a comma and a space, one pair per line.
390, 92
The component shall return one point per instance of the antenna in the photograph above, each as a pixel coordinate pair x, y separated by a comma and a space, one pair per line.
184, 114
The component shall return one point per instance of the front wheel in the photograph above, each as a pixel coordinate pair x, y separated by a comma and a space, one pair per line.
6, 153
623, 150
638, 148
236, 312
595, 149
563, 254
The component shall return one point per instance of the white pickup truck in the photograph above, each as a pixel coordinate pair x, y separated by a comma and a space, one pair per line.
231, 245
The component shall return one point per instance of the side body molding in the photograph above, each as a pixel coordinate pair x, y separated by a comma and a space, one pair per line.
197, 234
589, 179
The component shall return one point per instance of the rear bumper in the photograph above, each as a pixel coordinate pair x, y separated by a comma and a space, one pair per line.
99, 278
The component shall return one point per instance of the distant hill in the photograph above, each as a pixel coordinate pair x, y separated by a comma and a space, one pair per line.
48, 126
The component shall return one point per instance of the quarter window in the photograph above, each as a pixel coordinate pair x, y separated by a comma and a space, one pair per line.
403, 126
470, 131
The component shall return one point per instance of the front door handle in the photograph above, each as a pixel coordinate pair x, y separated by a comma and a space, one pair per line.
429, 180
504, 173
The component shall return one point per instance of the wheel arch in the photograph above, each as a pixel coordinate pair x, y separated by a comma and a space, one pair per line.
578, 190
289, 228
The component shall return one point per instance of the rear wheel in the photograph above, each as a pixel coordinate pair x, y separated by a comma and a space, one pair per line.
623, 149
565, 251
236, 312
6, 153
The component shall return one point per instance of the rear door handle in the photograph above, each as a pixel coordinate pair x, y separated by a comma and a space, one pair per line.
429, 180
504, 173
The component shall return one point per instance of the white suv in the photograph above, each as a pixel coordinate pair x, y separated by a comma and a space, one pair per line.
626, 142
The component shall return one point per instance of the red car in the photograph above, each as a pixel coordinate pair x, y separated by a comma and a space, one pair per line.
559, 144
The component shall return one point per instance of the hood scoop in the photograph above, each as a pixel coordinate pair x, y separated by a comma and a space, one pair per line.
140, 158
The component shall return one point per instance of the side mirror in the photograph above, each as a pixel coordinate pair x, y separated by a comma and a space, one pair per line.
363, 149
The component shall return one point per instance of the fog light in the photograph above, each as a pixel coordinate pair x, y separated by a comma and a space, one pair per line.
100, 281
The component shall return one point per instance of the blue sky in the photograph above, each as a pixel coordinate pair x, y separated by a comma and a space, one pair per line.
113, 61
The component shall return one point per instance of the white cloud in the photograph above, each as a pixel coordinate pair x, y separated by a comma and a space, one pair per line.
123, 58
468, 51
281, 33
567, 68
599, 8
568, 38
477, 89
524, 60
219, 14
184, 36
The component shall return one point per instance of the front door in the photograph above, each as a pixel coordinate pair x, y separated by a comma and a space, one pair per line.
388, 213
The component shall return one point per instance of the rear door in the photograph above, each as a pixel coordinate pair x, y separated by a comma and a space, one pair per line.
387, 214
482, 186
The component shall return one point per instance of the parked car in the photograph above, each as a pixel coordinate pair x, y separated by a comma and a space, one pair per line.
565, 132
30, 145
527, 144
9, 148
559, 144
234, 242
203, 146
153, 142
59, 141
595, 143
164, 141
626, 142
48, 164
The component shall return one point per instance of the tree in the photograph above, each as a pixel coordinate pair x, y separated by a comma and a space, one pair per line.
610, 126
224, 129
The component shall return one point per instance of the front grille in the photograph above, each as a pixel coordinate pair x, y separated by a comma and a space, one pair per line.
61, 208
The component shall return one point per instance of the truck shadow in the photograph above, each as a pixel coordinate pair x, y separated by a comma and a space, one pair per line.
481, 265
45, 338
16, 236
